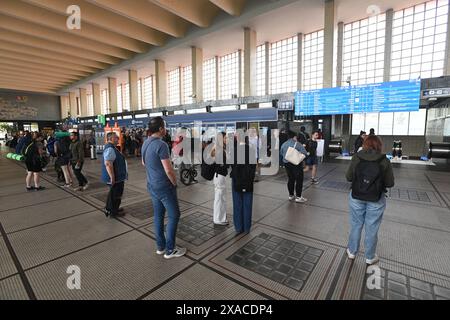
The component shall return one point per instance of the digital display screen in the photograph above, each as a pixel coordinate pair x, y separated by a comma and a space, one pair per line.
396, 96
286, 105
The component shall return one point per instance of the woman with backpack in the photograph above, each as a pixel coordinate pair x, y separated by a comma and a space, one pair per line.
370, 173
62, 151
33, 153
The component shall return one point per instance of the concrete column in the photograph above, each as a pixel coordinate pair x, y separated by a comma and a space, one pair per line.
181, 84
267, 67
73, 104
299, 61
388, 45
65, 106
160, 84
112, 92
132, 84
83, 103
249, 62
241, 85
340, 57
197, 74
141, 97
96, 96
328, 43
216, 58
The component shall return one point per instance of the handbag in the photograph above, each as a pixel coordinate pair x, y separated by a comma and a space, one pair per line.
294, 156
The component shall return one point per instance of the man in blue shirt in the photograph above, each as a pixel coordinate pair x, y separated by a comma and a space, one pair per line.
114, 173
162, 186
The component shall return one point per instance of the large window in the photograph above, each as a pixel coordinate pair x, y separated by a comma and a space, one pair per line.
261, 70
148, 92
90, 104
126, 96
313, 61
418, 41
139, 90
363, 52
229, 75
105, 102
209, 79
119, 98
187, 85
173, 87
390, 123
283, 66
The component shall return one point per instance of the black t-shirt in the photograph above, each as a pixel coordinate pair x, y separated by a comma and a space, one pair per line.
311, 147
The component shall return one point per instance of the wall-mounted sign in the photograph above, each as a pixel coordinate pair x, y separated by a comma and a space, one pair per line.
436, 93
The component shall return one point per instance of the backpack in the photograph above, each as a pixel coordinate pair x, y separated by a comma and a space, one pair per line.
63, 148
368, 184
207, 171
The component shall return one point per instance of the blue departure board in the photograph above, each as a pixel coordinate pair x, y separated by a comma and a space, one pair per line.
395, 96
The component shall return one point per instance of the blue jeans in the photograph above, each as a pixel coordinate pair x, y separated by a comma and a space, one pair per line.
165, 199
368, 214
242, 210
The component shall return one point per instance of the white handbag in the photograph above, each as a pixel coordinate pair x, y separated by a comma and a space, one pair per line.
294, 156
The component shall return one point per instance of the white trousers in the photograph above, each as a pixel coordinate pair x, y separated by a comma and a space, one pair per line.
220, 199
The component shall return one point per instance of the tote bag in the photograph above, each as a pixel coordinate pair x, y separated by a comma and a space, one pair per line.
294, 156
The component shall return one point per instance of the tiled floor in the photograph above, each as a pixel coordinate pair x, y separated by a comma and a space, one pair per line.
294, 251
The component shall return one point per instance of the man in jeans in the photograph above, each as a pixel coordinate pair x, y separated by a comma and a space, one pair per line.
114, 173
77, 160
162, 186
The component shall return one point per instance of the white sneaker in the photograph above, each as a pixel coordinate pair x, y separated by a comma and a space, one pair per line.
372, 261
85, 186
300, 200
291, 198
176, 253
350, 255
160, 252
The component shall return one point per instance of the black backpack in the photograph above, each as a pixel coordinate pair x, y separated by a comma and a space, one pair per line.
208, 171
368, 184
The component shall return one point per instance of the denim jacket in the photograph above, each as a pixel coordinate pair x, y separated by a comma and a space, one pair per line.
291, 143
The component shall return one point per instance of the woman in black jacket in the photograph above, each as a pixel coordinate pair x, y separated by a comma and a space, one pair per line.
243, 172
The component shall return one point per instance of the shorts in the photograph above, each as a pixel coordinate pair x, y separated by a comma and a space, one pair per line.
311, 160
33, 166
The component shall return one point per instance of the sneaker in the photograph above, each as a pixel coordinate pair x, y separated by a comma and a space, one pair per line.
85, 186
160, 252
350, 255
78, 189
291, 198
66, 185
300, 200
372, 261
176, 253
314, 181
222, 223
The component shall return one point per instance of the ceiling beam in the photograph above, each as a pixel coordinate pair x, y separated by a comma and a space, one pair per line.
43, 67
147, 14
21, 76
35, 30
198, 12
233, 7
37, 73
31, 13
20, 38
6, 45
29, 84
106, 20
49, 62
25, 88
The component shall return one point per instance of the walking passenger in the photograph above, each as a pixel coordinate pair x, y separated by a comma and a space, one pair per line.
77, 160
114, 174
162, 186
311, 160
294, 172
63, 154
33, 153
243, 172
370, 173
220, 181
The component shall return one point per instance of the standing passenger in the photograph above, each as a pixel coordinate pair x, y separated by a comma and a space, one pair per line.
370, 173
62, 151
77, 150
114, 173
162, 186
220, 181
243, 172
33, 153
294, 172
311, 160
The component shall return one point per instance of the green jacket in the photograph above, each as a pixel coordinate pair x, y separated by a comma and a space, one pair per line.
77, 151
386, 166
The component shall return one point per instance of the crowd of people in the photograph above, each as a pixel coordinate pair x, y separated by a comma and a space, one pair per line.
370, 173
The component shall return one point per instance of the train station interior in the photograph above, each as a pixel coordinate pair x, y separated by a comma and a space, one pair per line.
339, 73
